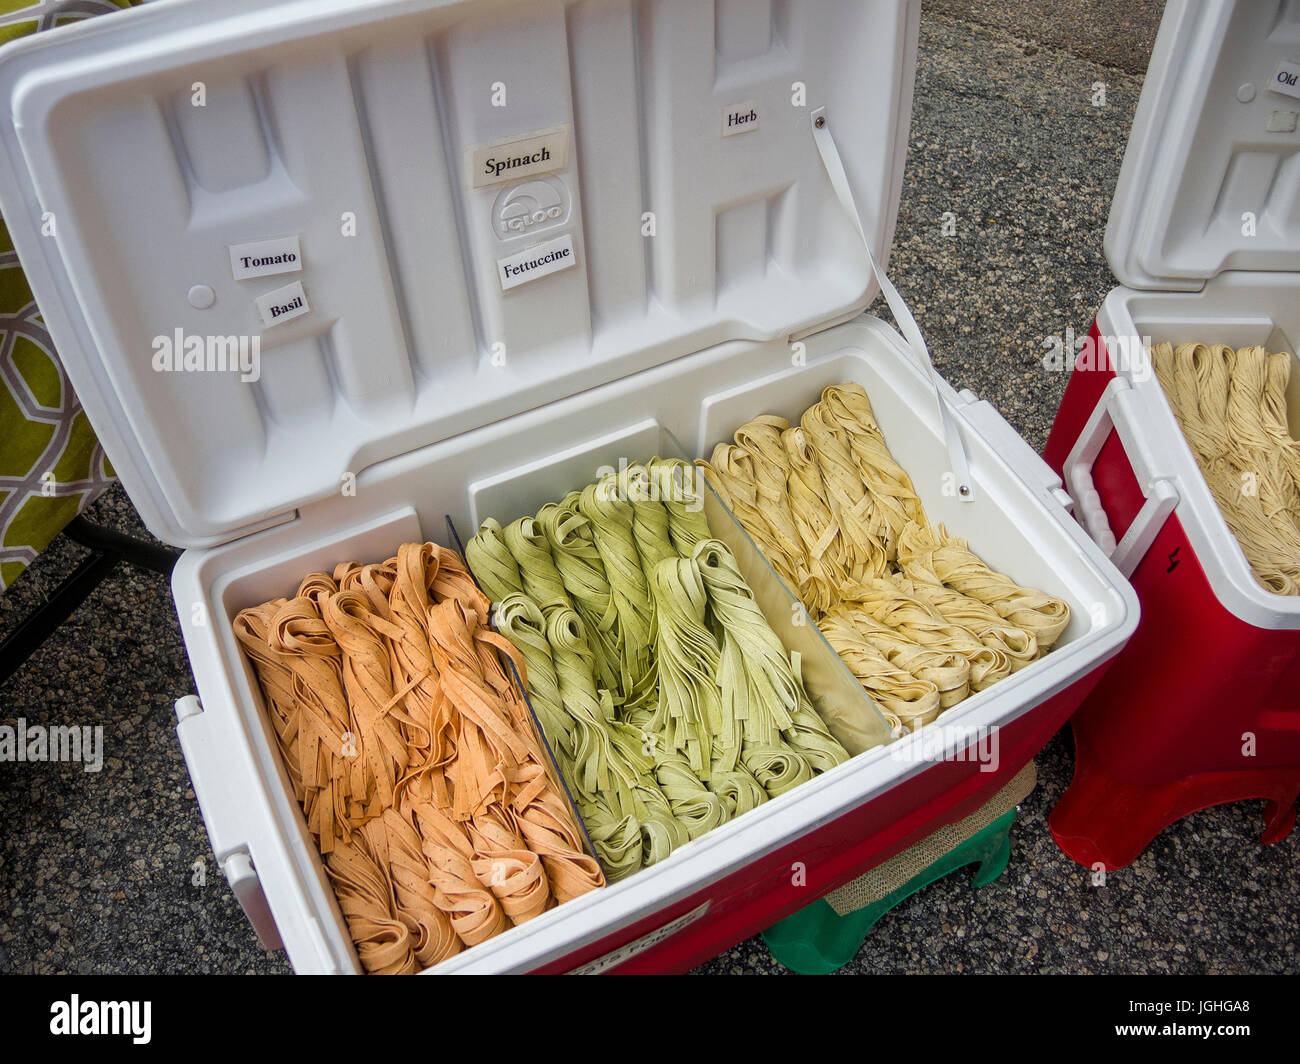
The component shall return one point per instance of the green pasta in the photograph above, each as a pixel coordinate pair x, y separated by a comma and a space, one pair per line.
493, 563
577, 560
521, 620
669, 703
777, 708
690, 702
678, 487
611, 526
541, 580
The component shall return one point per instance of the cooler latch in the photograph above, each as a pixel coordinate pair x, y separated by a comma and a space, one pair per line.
213, 792
247, 888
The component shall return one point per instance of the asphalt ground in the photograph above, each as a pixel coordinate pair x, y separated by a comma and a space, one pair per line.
101, 872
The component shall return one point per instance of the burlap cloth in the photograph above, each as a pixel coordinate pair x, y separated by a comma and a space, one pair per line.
884, 879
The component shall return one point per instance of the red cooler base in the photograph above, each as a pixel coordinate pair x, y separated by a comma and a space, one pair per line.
1105, 820
1198, 709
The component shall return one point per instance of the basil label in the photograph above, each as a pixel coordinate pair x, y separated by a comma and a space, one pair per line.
284, 304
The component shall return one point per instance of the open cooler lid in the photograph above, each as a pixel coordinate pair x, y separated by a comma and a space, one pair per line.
1211, 177
395, 221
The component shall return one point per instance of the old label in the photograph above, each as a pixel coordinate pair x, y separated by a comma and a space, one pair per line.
1286, 79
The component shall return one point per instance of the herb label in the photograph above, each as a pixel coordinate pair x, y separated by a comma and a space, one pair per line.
741, 118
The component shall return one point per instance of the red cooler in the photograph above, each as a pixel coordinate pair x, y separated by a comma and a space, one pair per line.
1203, 706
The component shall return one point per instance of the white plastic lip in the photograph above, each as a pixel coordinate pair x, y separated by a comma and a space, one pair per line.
1217, 549
1149, 157
1168, 228
1014, 483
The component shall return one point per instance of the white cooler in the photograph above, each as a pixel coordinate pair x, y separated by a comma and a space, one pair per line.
487, 247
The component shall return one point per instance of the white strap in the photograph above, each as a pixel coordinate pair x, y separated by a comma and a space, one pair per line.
911, 331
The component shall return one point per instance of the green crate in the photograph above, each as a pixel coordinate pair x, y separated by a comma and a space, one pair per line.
818, 941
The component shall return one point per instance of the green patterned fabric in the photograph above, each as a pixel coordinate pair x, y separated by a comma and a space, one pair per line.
21, 17
51, 464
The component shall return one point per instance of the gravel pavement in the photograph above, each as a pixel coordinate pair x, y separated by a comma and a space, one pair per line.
112, 872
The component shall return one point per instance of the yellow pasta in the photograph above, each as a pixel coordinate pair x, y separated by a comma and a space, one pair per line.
1231, 406
918, 617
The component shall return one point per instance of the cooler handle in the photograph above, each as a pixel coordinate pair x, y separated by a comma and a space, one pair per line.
1115, 412
830, 156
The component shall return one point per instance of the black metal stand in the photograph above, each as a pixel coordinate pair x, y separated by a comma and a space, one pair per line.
107, 549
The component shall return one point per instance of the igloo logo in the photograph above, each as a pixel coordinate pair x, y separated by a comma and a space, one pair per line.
530, 208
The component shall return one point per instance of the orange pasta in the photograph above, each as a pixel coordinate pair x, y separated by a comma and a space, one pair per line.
414, 757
